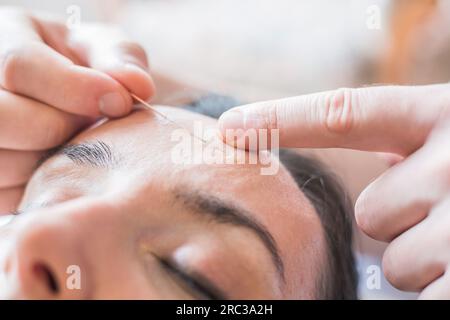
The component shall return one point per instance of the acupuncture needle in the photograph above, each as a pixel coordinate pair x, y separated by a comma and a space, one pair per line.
150, 107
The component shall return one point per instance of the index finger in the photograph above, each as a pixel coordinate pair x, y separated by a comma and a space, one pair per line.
393, 119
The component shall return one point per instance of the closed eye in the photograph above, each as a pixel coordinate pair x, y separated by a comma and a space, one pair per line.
197, 285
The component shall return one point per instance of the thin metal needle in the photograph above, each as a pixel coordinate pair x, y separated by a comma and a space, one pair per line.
148, 106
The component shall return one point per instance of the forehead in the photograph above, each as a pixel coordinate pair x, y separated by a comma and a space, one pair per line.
145, 146
152, 148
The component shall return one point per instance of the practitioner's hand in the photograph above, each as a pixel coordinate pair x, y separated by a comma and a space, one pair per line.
55, 81
409, 205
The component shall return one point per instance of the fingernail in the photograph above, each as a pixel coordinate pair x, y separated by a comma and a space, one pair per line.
112, 104
237, 119
232, 120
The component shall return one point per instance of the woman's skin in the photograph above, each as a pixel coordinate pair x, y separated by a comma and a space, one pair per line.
61, 79
115, 218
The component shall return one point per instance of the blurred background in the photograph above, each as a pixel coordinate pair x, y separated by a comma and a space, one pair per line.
266, 49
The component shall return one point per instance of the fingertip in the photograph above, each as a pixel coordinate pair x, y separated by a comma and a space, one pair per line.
221, 135
94, 93
139, 81
114, 104
231, 120
227, 122
134, 78
237, 129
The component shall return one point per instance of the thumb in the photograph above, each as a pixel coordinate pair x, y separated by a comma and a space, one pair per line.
390, 119
108, 67
107, 49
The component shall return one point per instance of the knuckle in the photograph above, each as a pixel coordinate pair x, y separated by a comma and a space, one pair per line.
10, 60
11, 49
56, 133
339, 110
14, 59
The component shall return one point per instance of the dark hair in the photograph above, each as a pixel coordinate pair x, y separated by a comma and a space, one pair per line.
338, 278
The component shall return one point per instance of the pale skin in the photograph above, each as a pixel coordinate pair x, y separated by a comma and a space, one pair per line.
58, 78
62, 80
407, 206
115, 220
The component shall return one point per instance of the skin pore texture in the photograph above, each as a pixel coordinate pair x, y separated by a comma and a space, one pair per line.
140, 226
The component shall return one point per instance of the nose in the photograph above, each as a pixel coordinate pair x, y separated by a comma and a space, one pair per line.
77, 249
48, 263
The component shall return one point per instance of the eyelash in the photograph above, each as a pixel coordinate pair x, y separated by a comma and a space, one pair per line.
192, 283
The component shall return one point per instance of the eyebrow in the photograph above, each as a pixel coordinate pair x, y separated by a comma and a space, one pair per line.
222, 212
99, 154
96, 154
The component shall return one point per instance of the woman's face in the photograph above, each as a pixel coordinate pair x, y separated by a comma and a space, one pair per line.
116, 211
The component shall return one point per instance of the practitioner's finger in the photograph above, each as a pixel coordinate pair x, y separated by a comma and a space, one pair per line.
403, 195
32, 68
10, 199
107, 49
16, 167
26, 124
390, 119
420, 255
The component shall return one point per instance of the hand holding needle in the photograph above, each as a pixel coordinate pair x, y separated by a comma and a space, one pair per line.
150, 107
